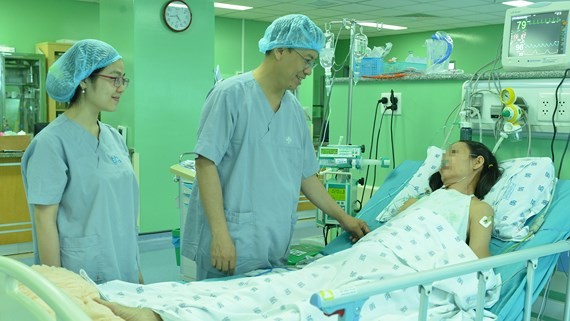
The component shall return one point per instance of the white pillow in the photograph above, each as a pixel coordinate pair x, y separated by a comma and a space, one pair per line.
523, 190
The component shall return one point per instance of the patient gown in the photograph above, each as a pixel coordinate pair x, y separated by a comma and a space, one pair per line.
450, 204
417, 239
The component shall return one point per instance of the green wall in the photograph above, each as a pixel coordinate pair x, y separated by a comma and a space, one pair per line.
236, 48
119, 14
236, 51
25, 23
171, 75
472, 47
426, 105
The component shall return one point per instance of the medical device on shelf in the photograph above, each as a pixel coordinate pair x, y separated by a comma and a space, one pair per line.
359, 51
439, 48
358, 47
513, 118
535, 37
336, 161
326, 57
506, 116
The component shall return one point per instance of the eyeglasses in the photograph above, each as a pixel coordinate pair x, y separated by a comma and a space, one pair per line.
309, 63
118, 81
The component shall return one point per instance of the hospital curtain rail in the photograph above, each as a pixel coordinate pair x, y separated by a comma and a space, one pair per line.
349, 300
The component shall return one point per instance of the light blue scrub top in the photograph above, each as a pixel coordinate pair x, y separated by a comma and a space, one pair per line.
261, 156
96, 189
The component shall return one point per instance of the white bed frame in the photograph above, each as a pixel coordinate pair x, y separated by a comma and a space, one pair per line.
348, 301
14, 305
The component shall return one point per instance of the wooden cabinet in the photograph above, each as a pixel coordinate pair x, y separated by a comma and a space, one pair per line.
15, 222
52, 51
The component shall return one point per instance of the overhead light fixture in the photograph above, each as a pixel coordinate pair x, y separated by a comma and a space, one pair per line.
517, 3
230, 6
381, 25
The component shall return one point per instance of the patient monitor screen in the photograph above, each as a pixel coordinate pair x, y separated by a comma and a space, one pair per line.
541, 34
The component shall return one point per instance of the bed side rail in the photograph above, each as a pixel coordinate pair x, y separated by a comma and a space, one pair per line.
12, 300
347, 301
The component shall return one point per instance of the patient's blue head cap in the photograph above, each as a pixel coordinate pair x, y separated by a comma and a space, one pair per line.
76, 64
292, 31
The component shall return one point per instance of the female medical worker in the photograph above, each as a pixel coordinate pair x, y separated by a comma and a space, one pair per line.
79, 182
255, 155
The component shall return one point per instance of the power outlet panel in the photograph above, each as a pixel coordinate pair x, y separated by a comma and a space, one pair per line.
546, 103
538, 95
397, 96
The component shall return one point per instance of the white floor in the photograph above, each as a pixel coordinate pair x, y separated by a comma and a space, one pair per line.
158, 258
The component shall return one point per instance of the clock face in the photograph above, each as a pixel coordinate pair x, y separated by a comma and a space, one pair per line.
177, 15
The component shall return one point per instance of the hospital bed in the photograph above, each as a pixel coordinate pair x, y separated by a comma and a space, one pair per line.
521, 285
15, 305
525, 267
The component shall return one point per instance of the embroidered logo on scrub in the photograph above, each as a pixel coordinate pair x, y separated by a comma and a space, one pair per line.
116, 160
288, 140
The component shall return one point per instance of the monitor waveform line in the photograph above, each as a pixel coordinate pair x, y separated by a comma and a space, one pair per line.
541, 45
543, 53
543, 21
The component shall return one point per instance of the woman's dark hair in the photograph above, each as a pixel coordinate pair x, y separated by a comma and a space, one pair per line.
78, 89
490, 172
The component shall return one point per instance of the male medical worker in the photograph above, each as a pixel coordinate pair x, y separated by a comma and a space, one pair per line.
254, 155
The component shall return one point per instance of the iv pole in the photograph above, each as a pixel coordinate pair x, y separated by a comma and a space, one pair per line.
350, 24
350, 82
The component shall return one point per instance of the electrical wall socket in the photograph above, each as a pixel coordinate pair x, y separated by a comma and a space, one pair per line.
546, 103
399, 97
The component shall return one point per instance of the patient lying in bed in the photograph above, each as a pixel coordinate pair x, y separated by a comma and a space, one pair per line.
429, 233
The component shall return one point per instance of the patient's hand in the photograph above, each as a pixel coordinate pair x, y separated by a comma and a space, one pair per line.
130, 314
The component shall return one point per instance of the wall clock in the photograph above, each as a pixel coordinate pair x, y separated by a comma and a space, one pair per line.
177, 15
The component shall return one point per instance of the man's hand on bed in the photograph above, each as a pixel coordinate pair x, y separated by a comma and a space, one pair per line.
356, 228
223, 253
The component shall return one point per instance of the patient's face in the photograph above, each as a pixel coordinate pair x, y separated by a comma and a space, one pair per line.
456, 162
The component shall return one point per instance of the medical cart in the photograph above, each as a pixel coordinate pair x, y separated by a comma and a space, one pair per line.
184, 174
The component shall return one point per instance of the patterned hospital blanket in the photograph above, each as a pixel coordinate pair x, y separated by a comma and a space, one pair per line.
416, 240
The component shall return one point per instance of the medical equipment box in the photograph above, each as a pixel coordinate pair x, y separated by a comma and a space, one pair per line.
371, 66
302, 252
397, 67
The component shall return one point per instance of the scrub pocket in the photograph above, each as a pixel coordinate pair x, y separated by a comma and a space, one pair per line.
242, 229
82, 253
293, 160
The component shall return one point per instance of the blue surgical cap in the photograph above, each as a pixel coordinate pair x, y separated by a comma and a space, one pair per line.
76, 64
292, 31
